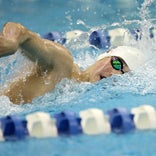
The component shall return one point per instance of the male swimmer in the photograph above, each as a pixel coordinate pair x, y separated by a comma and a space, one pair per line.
53, 62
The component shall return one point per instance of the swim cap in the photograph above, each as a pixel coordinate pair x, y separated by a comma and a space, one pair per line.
132, 56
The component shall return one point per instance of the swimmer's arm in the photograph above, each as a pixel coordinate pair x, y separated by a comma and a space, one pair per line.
12, 35
47, 54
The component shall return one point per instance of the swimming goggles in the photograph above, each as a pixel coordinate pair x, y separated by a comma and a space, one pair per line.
117, 64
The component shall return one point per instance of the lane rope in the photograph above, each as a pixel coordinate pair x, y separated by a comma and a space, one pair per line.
91, 121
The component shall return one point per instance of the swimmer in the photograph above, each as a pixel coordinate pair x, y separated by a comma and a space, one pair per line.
53, 62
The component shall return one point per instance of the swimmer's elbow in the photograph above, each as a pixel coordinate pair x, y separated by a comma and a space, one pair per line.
9, 48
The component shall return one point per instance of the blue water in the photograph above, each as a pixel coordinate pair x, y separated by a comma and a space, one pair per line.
129, 90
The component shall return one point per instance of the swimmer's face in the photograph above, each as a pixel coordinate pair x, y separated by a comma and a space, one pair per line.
103, 69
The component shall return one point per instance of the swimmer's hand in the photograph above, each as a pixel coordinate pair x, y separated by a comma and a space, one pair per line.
7, 46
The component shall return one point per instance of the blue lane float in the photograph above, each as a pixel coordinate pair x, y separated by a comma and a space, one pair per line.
68, 123
121, 120
13, 127
92, 121
137, 34
100, 39
55, 36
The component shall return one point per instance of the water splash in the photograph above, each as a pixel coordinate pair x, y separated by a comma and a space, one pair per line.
68, 90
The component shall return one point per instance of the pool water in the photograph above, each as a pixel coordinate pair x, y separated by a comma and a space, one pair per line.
129, 90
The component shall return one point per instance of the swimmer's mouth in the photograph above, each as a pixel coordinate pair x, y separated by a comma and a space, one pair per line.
102, 77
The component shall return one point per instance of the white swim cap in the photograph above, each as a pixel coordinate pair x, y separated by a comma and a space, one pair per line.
132, 56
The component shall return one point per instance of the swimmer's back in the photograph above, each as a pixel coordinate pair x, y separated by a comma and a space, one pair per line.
25, 89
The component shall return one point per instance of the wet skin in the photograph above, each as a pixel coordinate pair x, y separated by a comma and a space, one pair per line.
52, 62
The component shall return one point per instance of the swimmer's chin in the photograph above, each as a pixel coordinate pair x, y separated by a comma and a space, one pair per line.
97, 78
102, 77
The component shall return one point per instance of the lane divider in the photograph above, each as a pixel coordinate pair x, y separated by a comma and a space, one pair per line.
100, 38
92, 121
